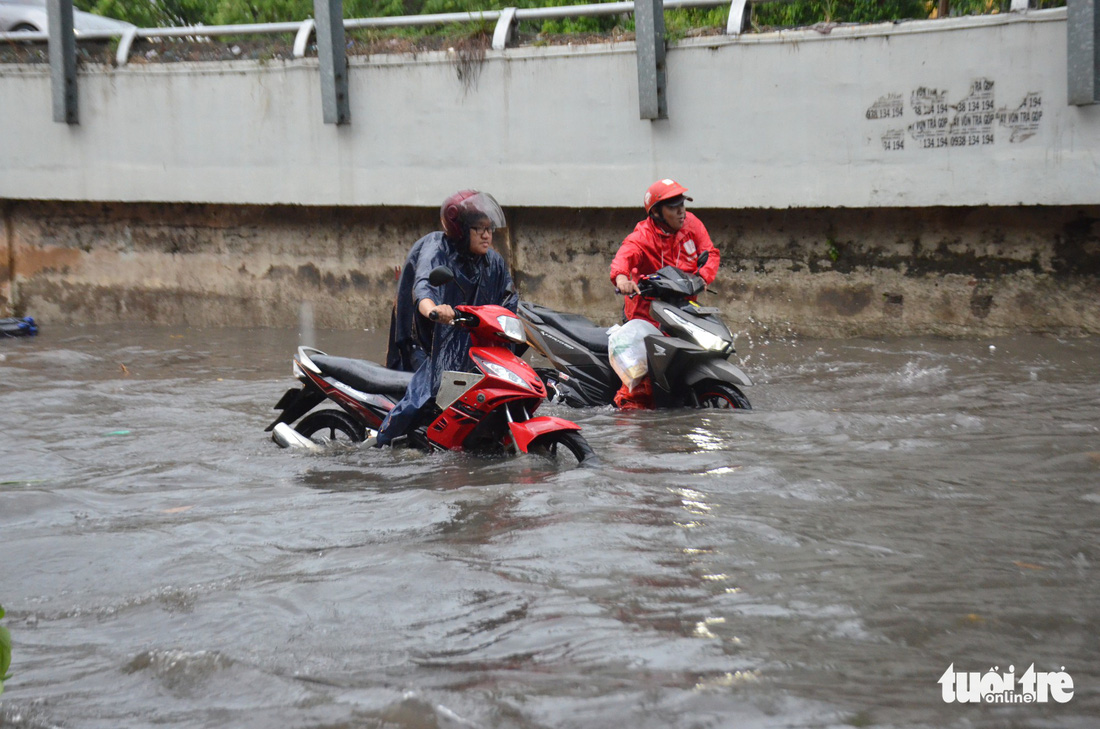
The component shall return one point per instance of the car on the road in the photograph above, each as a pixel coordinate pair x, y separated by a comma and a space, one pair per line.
30, 15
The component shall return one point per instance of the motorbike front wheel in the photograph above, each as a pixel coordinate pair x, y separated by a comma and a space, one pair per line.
326, 426
551, 444
711, 394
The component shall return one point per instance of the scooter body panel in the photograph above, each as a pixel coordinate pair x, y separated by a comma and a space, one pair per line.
504, 358
581, 377
581, 388
296, 402
370, 409
677, 366
480, 406
674, 321
562, 350
485, 402
720, 370
525, 432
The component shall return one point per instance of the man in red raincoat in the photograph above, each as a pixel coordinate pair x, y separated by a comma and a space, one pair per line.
669, 236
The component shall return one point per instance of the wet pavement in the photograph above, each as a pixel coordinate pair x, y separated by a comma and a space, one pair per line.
889, 509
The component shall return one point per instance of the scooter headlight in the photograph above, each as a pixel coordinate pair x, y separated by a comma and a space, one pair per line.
513, 328
702, 337
500, 371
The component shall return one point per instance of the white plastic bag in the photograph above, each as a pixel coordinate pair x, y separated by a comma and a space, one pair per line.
626, 350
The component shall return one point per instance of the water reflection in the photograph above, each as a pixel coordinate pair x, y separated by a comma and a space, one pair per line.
705, 439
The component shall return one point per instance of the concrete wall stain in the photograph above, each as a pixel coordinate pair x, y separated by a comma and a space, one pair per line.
31, 262
1077, 248
7, 305
309, 276
893, 305
845, 302
980, 303
361, 282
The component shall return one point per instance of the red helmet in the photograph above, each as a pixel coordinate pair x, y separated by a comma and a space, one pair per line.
662, 190
465, 208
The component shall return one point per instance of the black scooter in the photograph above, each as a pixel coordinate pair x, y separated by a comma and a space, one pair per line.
689, 364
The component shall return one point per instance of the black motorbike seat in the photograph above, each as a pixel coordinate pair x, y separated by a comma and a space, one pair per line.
364, 375
578, 327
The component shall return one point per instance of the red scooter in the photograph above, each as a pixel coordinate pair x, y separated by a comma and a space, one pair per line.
487, 411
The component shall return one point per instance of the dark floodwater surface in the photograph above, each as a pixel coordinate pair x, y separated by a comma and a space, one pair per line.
889, 509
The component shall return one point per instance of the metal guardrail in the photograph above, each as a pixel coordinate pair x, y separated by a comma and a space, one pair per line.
649, 19
505, 22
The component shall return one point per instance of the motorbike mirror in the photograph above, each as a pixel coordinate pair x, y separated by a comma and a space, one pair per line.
441, 275
702, 259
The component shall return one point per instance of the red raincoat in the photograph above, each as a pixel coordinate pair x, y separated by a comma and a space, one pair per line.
649, 248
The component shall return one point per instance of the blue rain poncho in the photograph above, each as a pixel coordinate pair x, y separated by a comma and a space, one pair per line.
486, 280
410, 334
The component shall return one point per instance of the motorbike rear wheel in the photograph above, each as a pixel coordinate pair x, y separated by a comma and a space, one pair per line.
547, 446
711, 394
327, 426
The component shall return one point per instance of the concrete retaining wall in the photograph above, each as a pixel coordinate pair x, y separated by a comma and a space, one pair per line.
925, 177
958, 112
818, 272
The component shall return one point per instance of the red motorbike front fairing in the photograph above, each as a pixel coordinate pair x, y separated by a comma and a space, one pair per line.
525, 432
504, 358
507, 382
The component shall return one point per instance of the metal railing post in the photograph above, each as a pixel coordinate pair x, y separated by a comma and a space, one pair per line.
62, 61
503, 31
738, 21
125, 43
332, 51
1083, 52
301, 38
649, 31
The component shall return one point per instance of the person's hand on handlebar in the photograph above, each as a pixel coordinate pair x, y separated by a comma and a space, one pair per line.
442, 313
625, 286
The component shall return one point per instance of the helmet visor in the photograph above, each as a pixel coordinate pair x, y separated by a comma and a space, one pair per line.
481, 211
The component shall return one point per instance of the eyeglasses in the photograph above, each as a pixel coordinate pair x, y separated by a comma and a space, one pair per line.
483, 230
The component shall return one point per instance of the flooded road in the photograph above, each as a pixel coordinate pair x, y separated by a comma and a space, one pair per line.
890, 509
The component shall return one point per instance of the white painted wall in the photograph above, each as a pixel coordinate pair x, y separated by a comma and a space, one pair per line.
776, 120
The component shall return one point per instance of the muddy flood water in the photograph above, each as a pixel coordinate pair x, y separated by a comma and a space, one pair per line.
890, 513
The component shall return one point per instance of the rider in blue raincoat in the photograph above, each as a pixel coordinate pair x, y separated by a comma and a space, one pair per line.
480, 277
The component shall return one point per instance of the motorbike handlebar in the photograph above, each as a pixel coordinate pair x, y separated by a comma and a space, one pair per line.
460, 319
647, 289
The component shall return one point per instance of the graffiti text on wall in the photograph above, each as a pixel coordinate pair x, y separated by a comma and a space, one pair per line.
972, 122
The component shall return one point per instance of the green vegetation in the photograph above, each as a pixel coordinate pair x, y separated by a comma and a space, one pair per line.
162, 13
5, 652
810, 12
